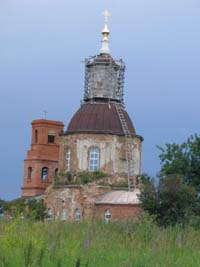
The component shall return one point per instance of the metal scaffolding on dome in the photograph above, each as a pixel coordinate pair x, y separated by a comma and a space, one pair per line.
120, 70
86, 80
120, 82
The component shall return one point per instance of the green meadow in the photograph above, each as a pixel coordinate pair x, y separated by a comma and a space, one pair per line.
131, 244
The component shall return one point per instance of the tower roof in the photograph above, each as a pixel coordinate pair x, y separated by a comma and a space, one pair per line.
99, 117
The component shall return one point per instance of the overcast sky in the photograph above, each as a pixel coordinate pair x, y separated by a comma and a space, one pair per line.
42, 47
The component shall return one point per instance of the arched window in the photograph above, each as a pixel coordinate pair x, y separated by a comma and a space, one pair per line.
30, 173
107, 215
77, 215
63, 215
36, 136
56, 171
44, 173
94, 159
68, 159
50, 214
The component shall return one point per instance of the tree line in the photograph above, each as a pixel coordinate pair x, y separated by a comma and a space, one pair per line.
175, 198
23, 208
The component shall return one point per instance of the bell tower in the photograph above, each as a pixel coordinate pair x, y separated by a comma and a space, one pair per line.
41, 163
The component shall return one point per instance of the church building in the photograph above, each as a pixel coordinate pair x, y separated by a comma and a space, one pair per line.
91, 169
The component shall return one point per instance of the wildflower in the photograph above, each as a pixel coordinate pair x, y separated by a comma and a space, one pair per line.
179, 241
86, 244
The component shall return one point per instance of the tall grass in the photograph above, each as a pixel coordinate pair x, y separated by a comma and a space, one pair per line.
58, 244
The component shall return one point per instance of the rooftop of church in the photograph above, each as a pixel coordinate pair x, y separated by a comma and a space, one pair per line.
119, 197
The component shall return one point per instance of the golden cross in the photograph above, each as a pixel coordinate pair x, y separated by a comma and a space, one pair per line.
106, 15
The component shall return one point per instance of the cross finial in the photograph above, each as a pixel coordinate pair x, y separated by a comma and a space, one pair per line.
106, 15
45, 114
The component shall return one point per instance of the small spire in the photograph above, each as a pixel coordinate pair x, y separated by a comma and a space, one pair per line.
105, 33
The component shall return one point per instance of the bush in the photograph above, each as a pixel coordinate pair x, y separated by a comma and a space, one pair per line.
170, 202
68, 178
24, 208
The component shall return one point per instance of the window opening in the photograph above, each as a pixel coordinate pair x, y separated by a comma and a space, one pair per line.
68, 159
107, 215
94, 159
63, 215
30, 173
50, 214
44, 173
77, 215
51, 138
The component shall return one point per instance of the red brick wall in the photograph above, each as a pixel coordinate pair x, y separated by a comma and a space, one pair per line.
118, 212
42, 154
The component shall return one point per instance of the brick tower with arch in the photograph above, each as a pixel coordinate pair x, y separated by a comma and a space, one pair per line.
41, 162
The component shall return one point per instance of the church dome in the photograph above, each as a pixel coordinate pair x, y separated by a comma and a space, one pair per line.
99, 117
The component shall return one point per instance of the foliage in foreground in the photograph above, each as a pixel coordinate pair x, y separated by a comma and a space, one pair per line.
24, 208
128, 244
183, 160
170, 202
176, 198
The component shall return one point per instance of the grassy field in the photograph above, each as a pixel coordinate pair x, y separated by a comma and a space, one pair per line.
56, 244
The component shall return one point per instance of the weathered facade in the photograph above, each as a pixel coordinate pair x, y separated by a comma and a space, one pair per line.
100, 138
91, 202
111, 151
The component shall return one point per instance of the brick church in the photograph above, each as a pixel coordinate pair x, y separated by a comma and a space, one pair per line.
91, 169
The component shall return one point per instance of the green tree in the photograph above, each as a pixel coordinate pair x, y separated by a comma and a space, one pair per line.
22, 207
170, 202
184, 160
177, 196
36, 210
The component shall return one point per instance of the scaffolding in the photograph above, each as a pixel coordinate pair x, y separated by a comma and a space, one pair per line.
86, 81
120, 82
91, 63
119, 67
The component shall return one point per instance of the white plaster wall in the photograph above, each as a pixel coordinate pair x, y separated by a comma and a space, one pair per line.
111, 149
109, 152
137, 155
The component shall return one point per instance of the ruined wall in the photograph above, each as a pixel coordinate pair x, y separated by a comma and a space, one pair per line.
71, 198
112, 152
83, 198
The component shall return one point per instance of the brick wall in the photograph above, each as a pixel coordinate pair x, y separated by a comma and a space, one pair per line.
72, 198
42, 154
83, 198
118, 212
